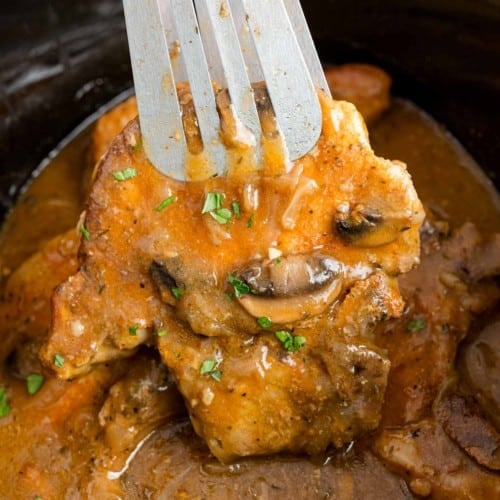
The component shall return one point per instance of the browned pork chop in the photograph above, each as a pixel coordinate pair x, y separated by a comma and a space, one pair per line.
26, 298
289, 272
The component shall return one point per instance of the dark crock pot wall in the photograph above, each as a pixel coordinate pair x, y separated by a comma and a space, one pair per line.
60, 61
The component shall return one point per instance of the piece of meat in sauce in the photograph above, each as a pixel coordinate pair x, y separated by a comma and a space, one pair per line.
143, 400
342, 220
51, 437
261, 399
433, 464
366, 86
26, 298
439, 427
479, 366
442, 297
465, 422
468, 408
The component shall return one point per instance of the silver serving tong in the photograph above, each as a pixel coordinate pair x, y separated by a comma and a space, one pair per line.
234, 43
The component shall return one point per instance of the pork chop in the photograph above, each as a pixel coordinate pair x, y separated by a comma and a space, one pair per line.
296, 261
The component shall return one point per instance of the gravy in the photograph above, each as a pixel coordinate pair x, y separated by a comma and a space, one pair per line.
450, 184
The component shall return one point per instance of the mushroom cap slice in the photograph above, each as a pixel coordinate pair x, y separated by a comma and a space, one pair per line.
290, 308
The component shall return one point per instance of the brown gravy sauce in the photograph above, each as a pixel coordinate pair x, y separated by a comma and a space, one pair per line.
448, 180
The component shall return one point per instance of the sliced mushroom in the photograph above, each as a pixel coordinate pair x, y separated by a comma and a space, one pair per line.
367, 227
291, 288
163, 281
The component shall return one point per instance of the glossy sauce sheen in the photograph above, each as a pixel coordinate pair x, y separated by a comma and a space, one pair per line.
67, 441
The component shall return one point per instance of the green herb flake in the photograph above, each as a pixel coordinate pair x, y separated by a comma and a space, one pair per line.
4, 403
290, 342
85, 232
236, 209
133, 330
264, 322
213, 206
240, 288
178, 355
162, 333
177, 292
277, 261
165, 203
125, 174
213, 201
416, 325
221, 215
216, 375
59, 361
34, 382
208, 367
250, 221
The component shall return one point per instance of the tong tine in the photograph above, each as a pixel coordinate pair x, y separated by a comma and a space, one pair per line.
228, 66
200, 82
222, 40
159, 110
307, 46
288, 81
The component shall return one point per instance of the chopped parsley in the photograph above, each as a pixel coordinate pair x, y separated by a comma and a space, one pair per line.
236, 209
85, 232
177, 292
4, 404
208, 367
213, 206
222, 215
165, 203
162, 333
133, 330
125, 174
250, 221
290, 342
240, 288
59, 361
277, 261
416, 325
264, 322
213, 201
34, 382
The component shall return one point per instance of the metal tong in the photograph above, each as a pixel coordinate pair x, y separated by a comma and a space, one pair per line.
234, 43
